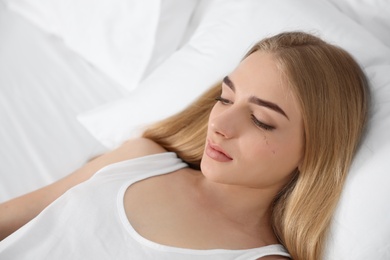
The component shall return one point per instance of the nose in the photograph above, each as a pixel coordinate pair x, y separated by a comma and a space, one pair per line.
227, 123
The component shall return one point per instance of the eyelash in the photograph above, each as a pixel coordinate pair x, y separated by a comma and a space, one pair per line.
253, 118
261, 124
224, 101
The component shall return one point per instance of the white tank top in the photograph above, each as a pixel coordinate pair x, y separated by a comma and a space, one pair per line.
89, 222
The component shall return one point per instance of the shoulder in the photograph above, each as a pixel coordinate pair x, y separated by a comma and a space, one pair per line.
138, 147
131, 149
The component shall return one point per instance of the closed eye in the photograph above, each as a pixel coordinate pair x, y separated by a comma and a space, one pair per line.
223, 101
262, 125
257, 122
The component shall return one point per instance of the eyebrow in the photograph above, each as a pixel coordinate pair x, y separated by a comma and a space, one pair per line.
256, 100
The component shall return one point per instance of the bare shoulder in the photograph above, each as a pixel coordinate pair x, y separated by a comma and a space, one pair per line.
139, 147
133, 148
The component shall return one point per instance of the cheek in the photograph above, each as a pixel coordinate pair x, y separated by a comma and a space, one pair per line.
257, 152
263, 162
272, 154
287, 151
269, 146
264, 146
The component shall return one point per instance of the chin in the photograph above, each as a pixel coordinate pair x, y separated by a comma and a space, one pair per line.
214, 172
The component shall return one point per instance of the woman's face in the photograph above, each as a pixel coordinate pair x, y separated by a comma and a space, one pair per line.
255, 132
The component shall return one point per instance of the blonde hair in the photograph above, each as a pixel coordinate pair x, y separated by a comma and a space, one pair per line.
333, 95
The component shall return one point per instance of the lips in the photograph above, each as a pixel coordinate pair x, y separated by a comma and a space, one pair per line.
217, 153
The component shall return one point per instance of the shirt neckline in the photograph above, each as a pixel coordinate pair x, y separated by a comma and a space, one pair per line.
166, 248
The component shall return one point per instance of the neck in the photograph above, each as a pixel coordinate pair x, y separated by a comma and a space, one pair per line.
242, 206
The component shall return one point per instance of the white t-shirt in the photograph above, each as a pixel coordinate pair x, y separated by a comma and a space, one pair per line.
89, 222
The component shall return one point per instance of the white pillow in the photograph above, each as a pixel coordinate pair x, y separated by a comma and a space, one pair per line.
220, 39
373, 15
361, 228
122, 38
174, 18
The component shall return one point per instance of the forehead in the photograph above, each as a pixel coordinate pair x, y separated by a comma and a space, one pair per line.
260, 75
260, 70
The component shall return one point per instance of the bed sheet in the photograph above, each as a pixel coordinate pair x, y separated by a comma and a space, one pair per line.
43, 86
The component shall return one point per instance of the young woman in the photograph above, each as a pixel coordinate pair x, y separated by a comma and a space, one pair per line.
252, 170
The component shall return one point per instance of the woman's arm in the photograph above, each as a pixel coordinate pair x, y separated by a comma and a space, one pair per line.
17, 212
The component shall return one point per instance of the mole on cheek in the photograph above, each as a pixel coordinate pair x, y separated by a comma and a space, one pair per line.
266, 141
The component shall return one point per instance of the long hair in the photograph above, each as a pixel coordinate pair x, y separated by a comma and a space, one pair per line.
333, 95
185, 132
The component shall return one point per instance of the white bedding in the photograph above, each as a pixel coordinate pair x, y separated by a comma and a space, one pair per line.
63, 101
44, 85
